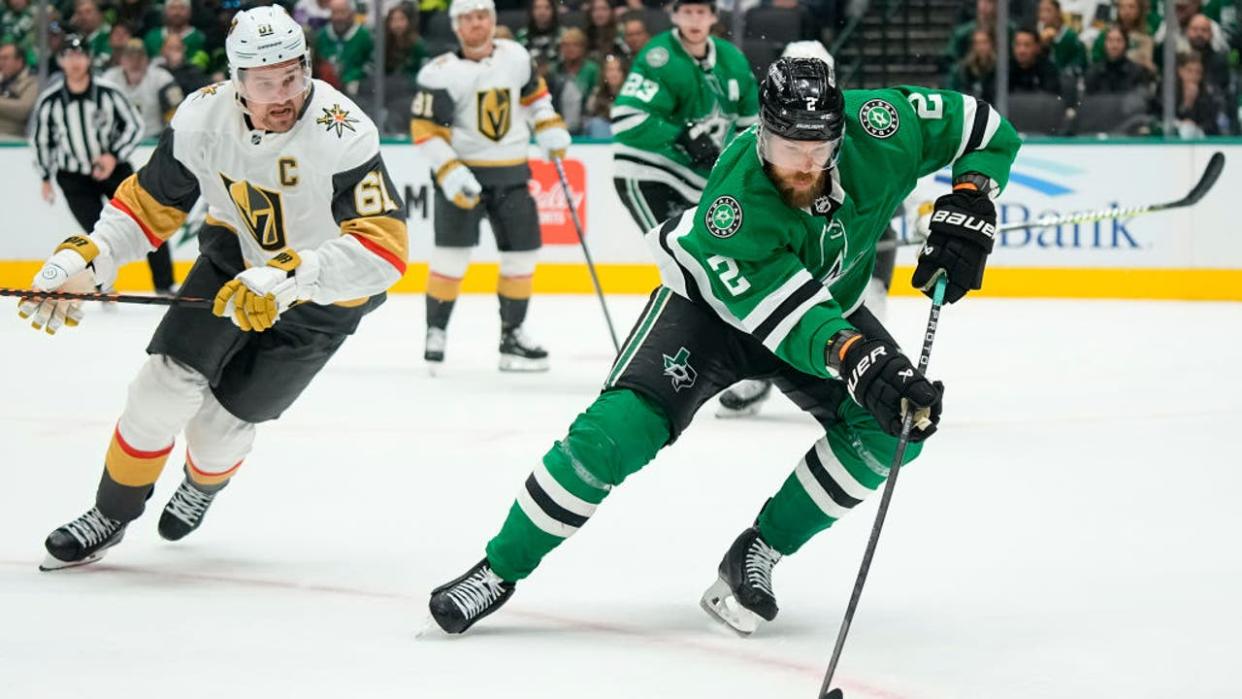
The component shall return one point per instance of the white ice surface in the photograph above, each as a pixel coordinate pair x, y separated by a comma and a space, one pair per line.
1071, 532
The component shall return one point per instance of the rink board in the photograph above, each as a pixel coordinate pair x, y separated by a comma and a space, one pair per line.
1187, 254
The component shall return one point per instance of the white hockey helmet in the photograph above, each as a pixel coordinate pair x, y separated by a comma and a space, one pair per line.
461, 7
266, 36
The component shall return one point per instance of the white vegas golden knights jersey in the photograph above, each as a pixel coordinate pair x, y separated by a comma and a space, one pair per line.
484, 110
321, 185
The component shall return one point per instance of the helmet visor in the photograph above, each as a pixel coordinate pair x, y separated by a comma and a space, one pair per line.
803, 156
273, 84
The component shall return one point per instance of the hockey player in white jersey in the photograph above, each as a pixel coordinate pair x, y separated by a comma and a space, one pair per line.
471, 118
303, 235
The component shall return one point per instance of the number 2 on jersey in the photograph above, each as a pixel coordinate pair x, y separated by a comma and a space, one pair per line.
730, 276
927, 106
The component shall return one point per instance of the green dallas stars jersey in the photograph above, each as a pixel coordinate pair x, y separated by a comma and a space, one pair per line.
668, 90
790, 276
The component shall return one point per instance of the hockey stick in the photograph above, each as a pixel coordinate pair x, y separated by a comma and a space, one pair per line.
1210, 174
907, 424
573, 213
184, 301
1206, 181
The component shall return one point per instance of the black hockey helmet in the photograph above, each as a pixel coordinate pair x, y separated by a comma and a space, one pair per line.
800, 102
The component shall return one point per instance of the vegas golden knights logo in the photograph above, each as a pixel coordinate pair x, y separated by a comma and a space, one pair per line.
262, 210
495, 110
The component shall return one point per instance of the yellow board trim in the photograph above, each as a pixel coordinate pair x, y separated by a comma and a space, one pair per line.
572, 278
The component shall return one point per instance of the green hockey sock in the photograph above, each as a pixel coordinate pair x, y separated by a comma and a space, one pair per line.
618, 435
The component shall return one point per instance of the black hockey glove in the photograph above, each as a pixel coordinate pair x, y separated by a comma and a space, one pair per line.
698, 144
962, 230
881, 379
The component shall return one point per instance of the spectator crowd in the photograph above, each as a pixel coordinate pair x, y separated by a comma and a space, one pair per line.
1101, 64
1074, 58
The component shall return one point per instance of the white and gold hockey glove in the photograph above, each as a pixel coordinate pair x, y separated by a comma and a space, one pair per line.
553, 137
255, 298
458, 184
74, 267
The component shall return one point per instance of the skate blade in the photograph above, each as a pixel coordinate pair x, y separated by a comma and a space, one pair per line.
509, 362
51, 562
721, 605
434, 368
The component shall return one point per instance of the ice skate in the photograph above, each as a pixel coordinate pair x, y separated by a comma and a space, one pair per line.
519, 353
433, 349
185, 511
744, 398
84, 540
457, 605
742, 597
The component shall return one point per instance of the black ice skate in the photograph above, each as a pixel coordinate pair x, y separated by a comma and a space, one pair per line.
744, 398
84, 540
519, 353
433, 348
185, 510
457, 605
742, 597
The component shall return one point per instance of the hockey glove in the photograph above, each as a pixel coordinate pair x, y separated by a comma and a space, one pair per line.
699, 145
553, 137
255, 298
881, 379
72, 267
459, 185
960, 237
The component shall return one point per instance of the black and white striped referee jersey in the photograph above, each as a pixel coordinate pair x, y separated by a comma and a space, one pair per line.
69, 132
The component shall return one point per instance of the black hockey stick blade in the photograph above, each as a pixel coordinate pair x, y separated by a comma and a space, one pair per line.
1210, 174
186, 301
835, 694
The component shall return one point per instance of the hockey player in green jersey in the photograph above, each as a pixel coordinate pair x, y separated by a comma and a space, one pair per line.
688, 93
765, 279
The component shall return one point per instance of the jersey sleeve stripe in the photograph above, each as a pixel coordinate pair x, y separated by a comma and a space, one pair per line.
766, 307
540, 91
979, 125
994, 122
158, 221
970, 106
422, 130
383, 235
778, 334
790, 300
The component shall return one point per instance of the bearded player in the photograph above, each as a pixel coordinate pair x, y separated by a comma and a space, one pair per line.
765, 278
303, 235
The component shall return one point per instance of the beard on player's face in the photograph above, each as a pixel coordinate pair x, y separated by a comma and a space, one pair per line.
798, 189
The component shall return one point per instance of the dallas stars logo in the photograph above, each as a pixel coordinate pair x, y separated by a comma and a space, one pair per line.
679, 370
724, 217
338, 119
878, 118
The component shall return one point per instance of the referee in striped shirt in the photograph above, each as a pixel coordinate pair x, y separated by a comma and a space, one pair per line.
83, 131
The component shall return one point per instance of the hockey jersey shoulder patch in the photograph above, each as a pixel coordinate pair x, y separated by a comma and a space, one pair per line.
879, 118
723, 217
337, 119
